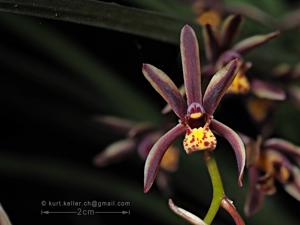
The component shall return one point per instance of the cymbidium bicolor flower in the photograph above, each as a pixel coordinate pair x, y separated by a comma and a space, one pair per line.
139, 137
219, 49
196, 116
269, 161
282, 84
195, 220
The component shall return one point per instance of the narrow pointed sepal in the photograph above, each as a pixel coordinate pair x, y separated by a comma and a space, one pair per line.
218, 86
255, 197
157, 152
186, 215
168, 108
140, 128
212, 46
236, 143
166, 88
250, 43
228, 205
190, 64
283, 146
267, 90
229, 30
115, 124
114, 152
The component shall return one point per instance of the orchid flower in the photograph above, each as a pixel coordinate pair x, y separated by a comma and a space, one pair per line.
139, 137
219, 50
268, 161
196, 116
281, 85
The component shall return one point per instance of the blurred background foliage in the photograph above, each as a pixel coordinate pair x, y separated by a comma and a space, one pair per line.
64, 62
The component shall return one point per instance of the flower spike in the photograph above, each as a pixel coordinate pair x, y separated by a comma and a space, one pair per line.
166, 88
191, 218
190, 64
236, 143
156, 154
218, 86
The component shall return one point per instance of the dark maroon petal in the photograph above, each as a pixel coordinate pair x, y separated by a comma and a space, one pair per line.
211, 44
191, 218
252, 42
267, 90
230, 208
168, 108
144, 146
116, 124
229, 30
293, 187
255, 197
227, 57
157, 152
114, 152
236, 143
282, 145
218, 86
166, 88
190, 64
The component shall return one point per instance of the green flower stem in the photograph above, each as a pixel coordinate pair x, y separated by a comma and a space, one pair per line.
218, 191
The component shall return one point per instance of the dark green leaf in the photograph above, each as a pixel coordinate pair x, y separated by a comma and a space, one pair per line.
100, 14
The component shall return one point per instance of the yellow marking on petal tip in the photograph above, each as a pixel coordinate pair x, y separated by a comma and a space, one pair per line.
196, 115
211, 17
170, 159
240, 84
198, 139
